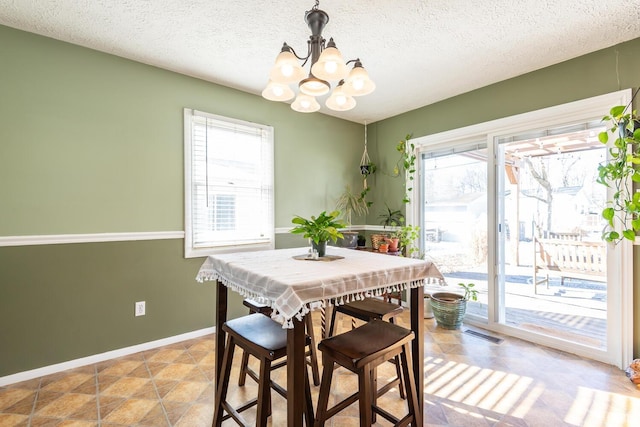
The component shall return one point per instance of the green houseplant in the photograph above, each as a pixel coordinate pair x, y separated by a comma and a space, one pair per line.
449, 308
319, 229
350, 203
623, 210
408, 234
387, 219
391, 217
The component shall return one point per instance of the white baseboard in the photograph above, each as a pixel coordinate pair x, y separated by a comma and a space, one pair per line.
96, 358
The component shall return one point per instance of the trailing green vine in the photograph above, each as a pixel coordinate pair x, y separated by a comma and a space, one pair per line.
623, 210
407, 162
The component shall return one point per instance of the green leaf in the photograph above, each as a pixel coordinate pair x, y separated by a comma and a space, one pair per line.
617, 110
603, 137
635, 224
608, 213
610, 236
629, 234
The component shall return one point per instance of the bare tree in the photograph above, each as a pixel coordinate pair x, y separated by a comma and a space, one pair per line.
540, 174
474, 180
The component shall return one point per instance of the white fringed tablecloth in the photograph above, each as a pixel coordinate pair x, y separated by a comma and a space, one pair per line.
290, 286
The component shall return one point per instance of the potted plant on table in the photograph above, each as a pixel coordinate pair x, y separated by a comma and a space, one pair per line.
319, 229
449, 308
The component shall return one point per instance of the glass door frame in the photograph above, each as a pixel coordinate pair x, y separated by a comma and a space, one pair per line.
619, 350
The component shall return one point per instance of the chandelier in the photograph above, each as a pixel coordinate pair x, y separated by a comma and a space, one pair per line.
326, 65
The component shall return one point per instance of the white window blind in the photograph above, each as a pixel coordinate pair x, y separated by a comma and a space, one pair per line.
228, 185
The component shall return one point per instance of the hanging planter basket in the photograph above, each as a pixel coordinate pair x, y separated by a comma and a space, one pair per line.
366, 166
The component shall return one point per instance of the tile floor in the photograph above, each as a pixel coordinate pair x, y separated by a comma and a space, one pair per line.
469, 382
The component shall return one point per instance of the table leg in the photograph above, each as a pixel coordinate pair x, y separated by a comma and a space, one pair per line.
296, 371
221, 317
417, 346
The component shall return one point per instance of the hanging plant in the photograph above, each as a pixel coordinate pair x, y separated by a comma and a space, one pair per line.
367, 168
623, 210
407, 162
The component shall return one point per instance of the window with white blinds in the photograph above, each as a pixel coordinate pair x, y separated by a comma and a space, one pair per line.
228, 185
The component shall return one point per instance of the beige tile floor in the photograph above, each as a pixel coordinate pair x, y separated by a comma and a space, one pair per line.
469, 382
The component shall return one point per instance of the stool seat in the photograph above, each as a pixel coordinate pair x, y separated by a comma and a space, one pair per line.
370, 308
361, 345
260, 331
360, 351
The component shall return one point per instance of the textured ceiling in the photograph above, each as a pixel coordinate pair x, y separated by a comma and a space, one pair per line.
417, 51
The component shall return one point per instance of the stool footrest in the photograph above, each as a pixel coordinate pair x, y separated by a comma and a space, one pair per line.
388, 386
386, 415
343, 405
235, 413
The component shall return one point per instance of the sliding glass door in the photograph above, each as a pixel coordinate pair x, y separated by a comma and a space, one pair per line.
513, 206
454, 194
553, 262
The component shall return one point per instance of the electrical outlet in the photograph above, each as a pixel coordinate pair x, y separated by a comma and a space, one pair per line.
140, 308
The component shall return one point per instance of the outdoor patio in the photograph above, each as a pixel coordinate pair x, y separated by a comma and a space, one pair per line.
575, 311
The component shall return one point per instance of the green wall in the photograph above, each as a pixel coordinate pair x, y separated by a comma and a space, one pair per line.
590, 75
93, 143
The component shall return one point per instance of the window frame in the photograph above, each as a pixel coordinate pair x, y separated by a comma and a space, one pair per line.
268, 164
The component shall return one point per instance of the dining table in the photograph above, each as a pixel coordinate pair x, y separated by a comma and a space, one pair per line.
293, 282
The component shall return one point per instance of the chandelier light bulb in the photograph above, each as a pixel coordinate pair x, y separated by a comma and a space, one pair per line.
330, 67
286, 70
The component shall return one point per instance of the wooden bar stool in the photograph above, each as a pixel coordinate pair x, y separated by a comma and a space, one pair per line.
361, 350
266, 340
367, 310
311, 354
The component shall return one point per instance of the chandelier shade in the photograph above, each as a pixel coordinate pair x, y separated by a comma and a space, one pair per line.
313, 86
286, 69
330, 65
358, 82
326, 65
340, 100
277, 92
305, 104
